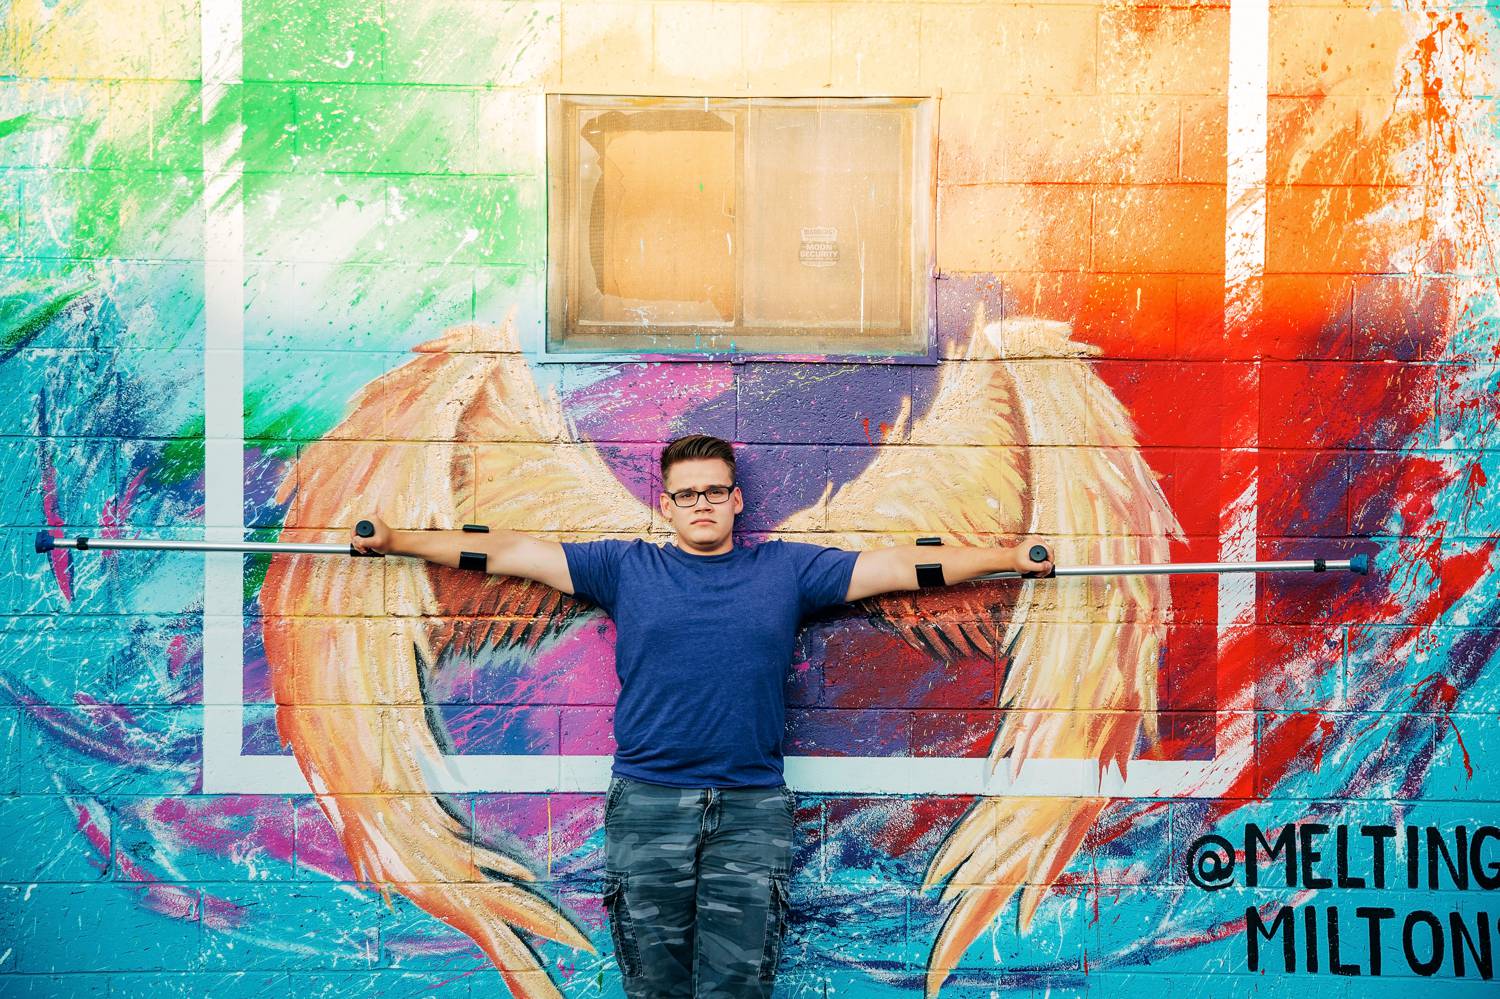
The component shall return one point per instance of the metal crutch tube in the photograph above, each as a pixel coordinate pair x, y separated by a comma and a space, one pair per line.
1357, 564
45, 542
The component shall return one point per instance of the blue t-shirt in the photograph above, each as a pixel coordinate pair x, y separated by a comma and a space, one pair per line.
703, 646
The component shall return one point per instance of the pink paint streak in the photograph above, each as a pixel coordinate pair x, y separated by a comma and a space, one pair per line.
62, 569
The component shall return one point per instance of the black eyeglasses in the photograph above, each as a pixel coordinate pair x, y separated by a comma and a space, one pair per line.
689, 497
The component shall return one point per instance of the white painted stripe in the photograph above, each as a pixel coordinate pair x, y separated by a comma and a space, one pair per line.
1245, 187
227, 771
810, 774
1244, 269
223, 385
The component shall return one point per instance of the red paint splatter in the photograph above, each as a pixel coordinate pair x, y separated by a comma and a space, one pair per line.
1435, 692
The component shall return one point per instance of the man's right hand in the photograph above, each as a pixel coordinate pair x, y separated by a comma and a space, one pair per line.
379, 542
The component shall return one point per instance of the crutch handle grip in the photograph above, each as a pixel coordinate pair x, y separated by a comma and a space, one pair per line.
364, 529
1039, 553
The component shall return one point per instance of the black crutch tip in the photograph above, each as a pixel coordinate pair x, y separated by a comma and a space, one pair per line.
1039, 553
44, 542
1360, 564
364, 529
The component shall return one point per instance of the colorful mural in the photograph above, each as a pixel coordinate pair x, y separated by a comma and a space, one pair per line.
1214, 281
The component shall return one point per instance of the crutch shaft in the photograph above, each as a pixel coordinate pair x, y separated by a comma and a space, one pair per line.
46, 543
1359, 564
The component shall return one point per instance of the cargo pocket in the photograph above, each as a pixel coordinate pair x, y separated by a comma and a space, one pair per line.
627, 955
776, 918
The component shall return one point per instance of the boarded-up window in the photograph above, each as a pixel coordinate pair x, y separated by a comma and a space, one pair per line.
780, 225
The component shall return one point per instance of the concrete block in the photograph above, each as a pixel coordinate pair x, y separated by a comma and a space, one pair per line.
817, 403
326, 40
1159, 229
473, 43
53, 838
699, 48
379, 129
877, 49
607, 48
1164, 50
1318, 51
315, 927
1014, 227
788, 48
97, 928
1123, 139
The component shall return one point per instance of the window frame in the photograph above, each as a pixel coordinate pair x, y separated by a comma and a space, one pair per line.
918, 343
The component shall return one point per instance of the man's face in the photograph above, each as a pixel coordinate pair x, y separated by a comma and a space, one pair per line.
703, 526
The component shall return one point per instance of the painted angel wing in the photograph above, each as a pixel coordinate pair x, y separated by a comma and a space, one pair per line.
959, 473
1030, 442
1081, 681
350, 691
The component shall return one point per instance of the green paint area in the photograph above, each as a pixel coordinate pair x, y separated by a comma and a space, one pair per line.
29, 306
181, 458
389, 192
13, 124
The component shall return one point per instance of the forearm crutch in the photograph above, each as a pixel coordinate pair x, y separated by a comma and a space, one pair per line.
46, 542
1358, 564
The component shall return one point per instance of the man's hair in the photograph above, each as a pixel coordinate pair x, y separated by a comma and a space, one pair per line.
696, 446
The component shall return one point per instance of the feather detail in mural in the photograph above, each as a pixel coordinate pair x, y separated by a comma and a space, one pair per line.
1080, 677
960, 472
351, 691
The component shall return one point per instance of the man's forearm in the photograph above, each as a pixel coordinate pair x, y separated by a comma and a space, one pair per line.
959, 563
883, 570
446, 547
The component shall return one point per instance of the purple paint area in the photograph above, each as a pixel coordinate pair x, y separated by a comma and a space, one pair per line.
264, 473
1181, 735
813, 732
959, 296
253, 832
135, 740
636, 467
259, 732
588, 731
885, 840
649, 402
1125, 843
577, 834
1305, 493
778, 482
1402, 318
257, 673
500, 729
318, 849
578, 668
517, 823
1304, 597
818, 403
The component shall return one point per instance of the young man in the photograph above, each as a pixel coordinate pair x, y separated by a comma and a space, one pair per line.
698, 821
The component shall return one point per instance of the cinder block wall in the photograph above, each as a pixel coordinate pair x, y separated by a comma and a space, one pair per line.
225, 227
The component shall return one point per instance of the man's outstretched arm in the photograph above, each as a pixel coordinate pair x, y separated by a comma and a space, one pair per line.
883, 570
507, 553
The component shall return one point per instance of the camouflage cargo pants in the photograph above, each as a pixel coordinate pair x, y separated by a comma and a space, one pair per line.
695, 887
